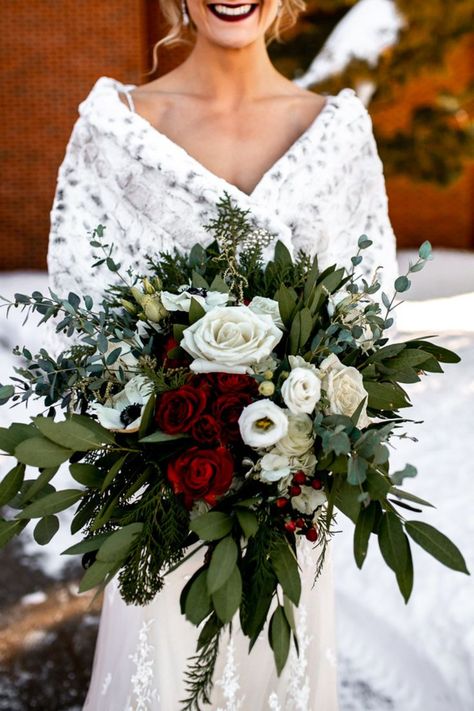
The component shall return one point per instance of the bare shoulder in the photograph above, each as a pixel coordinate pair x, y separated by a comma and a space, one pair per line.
154, 98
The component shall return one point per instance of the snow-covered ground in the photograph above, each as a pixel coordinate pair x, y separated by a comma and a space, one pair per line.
391, 656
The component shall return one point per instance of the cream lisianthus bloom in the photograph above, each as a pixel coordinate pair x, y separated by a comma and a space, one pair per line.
230, 339
299, 437
301, 390
308, 501
262, 423
182, 301
123, 412
273, 467
344, 388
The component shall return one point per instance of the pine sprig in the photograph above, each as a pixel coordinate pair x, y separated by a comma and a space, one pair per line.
199, 674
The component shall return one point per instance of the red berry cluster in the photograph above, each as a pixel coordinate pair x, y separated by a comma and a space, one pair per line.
304, 525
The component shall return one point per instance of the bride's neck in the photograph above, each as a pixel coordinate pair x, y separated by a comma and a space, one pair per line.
232, 75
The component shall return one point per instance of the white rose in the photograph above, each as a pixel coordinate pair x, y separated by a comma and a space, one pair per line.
309, 500
344, 388
262, 423
182, 301
274, 467
299, 438
301, 390
232, 337
262, 305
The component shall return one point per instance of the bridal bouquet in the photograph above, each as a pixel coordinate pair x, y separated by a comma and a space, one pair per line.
225, 405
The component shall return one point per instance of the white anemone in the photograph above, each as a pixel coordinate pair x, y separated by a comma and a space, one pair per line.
262, 424
123, 412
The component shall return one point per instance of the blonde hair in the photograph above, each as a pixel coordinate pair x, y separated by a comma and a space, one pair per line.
179, 33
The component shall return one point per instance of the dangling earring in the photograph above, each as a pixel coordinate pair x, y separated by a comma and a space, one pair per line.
184, 11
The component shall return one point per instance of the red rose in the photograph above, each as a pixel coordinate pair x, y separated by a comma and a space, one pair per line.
227, 410
169, 345
237, 383
178, 410
201, 474
206, 430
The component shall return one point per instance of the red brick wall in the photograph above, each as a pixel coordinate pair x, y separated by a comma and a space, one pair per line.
52, 51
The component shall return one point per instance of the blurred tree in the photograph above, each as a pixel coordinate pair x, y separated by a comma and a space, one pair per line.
439, 137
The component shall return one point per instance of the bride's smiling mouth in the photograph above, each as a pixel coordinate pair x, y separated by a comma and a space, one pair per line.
232, 12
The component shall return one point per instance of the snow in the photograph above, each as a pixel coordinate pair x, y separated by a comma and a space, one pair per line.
391, 655
367, 29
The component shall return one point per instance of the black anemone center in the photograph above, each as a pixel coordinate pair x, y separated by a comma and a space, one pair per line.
196, 290
130, 414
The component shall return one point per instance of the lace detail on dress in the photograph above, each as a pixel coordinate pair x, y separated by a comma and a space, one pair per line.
273, 703
143, 692
297, 698
229, 682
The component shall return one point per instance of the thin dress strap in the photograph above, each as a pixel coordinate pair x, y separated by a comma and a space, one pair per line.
131, 105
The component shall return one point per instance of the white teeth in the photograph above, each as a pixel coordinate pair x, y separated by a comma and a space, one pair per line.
226, 10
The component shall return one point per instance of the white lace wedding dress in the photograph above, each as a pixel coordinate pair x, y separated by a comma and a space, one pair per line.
320, 196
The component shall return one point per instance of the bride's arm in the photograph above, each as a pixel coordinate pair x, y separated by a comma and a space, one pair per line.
365, 202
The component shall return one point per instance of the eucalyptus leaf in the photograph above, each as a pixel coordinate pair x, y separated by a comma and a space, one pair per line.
95, 575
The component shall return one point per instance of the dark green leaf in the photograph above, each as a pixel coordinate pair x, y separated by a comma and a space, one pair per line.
227, 599
10, 529
6, 392
87, 475
45, 529
223, 561
41, 452
72, 434
196, 311
437, 544
95, 575
286, 569
409, 497
279, 634
113, 471
157, 437
41, 483
118, 543
248, 521
212, 525
11, 483
11, 437
90, 544
362, 531
51, 503
392, 541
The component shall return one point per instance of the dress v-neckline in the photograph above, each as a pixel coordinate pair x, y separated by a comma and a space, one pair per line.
180, 150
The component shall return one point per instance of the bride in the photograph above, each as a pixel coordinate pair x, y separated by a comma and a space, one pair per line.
150, 162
